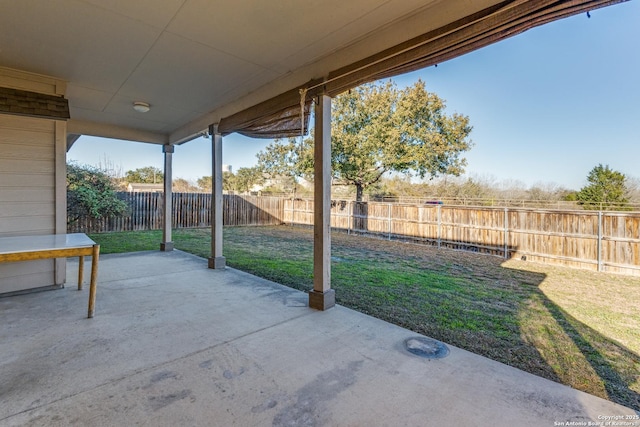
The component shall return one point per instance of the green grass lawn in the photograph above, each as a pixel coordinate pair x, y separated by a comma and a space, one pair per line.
576, 327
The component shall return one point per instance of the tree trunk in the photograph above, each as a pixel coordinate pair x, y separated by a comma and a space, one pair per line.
359, 191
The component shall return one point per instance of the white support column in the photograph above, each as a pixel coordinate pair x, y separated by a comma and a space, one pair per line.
167, 244
322, 297
216, 261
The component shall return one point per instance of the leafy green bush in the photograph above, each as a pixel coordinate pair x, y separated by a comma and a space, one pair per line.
92, 193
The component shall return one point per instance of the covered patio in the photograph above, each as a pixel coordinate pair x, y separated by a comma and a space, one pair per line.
167, 72
176, 343
181, 340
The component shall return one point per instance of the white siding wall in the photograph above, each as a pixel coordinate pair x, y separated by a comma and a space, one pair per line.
27, 194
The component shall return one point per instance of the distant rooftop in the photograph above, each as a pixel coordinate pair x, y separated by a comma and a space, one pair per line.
137, 187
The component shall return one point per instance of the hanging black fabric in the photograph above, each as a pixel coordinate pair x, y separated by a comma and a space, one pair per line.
279, 117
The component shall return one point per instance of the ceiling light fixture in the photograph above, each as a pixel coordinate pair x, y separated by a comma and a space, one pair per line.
141, 107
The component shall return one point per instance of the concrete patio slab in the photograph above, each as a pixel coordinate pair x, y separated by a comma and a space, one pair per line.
175, 343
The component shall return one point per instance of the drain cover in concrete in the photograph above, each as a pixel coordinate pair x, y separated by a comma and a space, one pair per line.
426, 347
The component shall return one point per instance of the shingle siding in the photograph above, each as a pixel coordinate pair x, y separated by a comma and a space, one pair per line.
33, 104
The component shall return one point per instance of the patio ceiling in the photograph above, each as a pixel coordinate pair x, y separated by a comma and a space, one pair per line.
197, 61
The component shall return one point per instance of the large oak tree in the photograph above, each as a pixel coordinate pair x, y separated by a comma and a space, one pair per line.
378, 128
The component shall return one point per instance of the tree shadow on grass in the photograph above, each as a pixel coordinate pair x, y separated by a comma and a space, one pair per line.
468, 300
503, 315
602, 366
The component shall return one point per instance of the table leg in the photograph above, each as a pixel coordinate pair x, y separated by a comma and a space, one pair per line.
80, 272
94, 279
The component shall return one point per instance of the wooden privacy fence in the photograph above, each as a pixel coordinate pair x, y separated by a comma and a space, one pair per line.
594, 240
145, 212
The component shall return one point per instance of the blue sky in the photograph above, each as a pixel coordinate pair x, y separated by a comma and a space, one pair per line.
546, 107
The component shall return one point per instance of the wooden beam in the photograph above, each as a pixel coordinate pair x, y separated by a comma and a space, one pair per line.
167, 244
322, 297
94, 279
216, 261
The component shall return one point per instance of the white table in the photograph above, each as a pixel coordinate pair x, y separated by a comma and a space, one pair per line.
28, 248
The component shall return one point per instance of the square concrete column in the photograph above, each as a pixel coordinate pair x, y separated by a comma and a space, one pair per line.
322, 297
216, 261
167, 244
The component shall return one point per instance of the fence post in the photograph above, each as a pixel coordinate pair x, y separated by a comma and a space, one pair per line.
293, 209
439, 231
599, 249
349, 216
389, 220
506, 233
